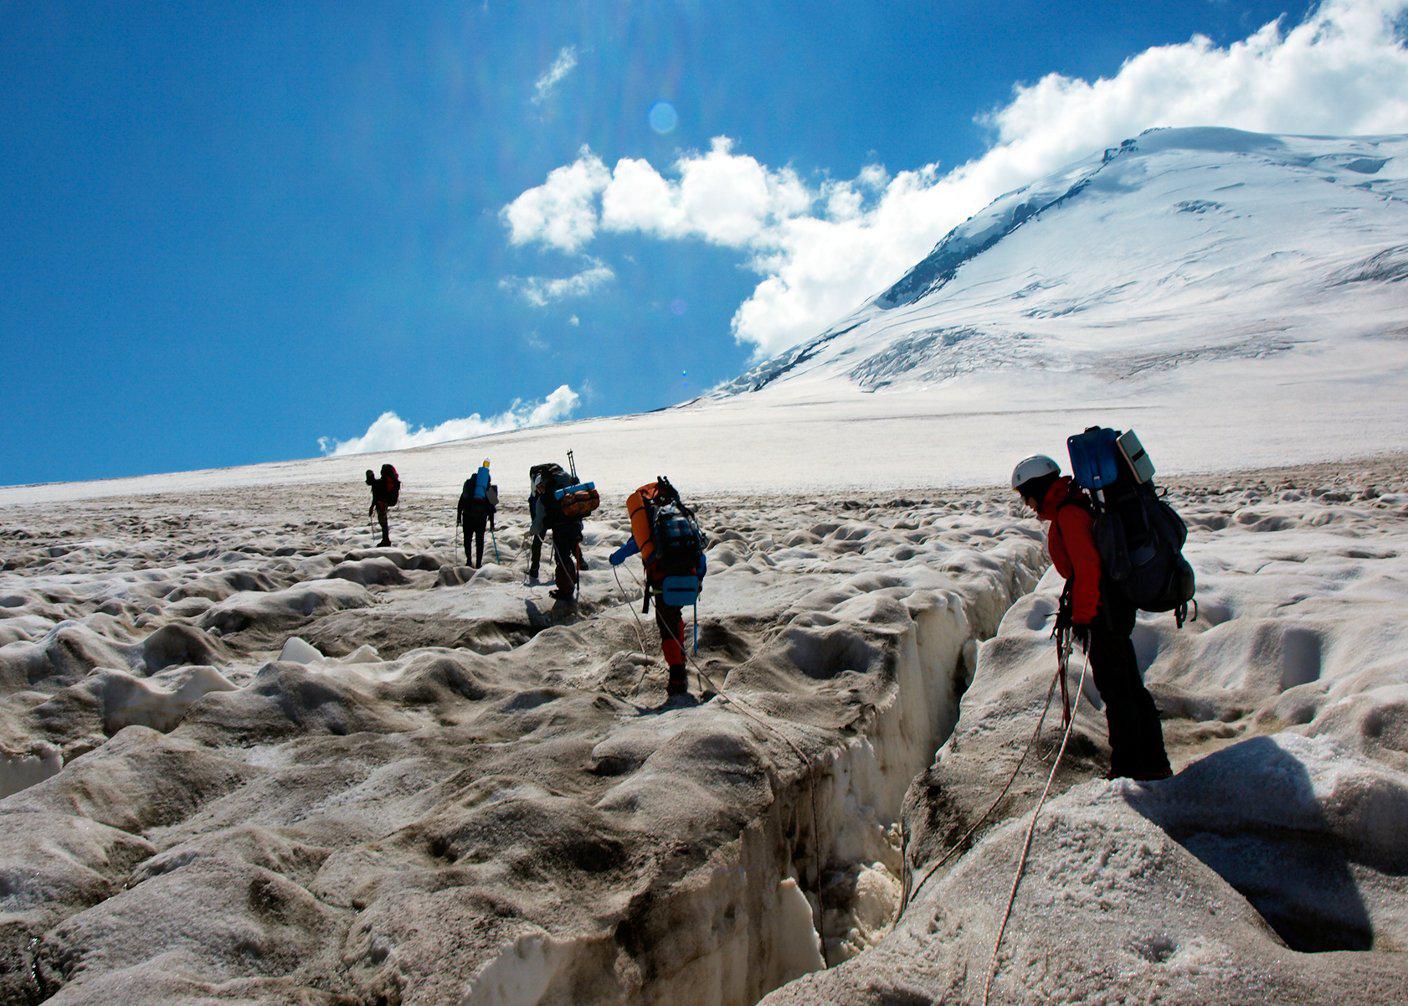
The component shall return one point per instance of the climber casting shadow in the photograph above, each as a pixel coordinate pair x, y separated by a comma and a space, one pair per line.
1277, 848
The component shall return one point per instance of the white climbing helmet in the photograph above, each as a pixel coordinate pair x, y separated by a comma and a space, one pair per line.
1033, 467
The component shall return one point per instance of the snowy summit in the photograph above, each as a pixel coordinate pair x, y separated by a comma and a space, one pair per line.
1161, 266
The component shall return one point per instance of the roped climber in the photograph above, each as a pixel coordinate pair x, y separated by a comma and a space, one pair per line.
1100, 618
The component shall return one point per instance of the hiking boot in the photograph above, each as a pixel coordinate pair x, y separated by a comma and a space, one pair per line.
1153, 776
679, 681
558, 595
384, 543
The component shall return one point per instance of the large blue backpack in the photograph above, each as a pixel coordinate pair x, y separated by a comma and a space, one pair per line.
479, 495
1138, 535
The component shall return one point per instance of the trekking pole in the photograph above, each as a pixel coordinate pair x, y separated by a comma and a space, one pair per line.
495, 539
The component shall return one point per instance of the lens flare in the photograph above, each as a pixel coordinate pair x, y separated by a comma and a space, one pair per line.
663, 117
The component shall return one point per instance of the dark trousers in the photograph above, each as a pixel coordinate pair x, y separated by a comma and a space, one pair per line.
565, 539
535, 557
1136, 736
380, 509
474, 538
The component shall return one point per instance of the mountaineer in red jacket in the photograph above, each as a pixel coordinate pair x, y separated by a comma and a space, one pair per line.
1101, 619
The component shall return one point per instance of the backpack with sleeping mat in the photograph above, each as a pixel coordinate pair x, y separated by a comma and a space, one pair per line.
1138, 534
567, 498
479, 495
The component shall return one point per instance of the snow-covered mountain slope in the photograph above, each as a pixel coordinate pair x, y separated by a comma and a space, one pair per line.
1182, 256
1239, 299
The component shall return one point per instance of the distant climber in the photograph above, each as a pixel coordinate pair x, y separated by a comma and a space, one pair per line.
386, 493
1100, 617
666, 535
479, 500
558, 503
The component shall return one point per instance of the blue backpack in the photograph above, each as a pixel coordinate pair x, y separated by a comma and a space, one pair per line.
479, 494
480, 489
1139, 536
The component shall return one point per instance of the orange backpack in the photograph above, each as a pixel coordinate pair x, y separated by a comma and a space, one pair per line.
639, 505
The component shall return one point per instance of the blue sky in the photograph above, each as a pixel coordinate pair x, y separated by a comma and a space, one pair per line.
227, 232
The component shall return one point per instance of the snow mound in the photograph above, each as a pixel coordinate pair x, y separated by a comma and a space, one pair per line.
458, 792
393, 786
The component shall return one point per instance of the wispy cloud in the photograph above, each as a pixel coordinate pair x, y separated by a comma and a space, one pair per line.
540, 291
392, 433
822, 246
564, 64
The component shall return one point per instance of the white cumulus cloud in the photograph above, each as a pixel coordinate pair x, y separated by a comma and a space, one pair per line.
564, 64
562, 211
392, 433
822, 248
540, 291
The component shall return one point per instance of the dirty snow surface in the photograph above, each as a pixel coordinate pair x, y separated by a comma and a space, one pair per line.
247, 758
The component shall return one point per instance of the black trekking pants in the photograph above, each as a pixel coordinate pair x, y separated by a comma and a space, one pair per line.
379, 508
1136, 736
474, 525
565, 539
